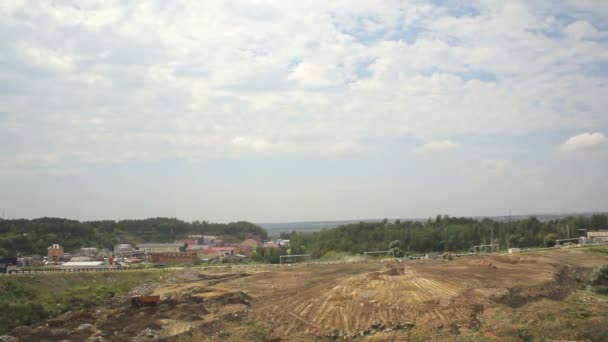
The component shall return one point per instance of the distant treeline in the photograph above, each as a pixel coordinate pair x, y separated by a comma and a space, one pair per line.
441, 234
26, 237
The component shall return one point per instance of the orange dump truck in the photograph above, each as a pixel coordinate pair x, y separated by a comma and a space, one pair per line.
145, 300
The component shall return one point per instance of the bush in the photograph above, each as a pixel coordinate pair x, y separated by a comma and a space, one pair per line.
30, 298
599, 280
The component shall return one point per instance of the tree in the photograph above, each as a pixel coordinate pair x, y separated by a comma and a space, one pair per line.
599, 280
395, 248
550, 239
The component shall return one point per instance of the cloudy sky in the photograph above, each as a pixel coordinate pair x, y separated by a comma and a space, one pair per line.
302, 110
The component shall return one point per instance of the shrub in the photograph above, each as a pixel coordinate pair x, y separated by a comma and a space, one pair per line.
599, 280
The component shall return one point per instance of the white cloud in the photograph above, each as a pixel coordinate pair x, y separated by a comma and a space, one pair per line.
207, 79
583, 30
583, 141
437, 146
252, 143
493, 164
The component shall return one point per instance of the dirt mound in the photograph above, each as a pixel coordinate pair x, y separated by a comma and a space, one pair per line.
558, 289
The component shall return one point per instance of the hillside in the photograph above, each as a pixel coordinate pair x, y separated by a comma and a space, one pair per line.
25, 237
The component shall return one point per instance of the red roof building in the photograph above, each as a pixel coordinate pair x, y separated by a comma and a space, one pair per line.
189, 242
216, 251
174, 257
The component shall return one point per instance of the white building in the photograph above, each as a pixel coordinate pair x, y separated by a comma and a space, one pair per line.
593, 237
80, 259
599, 235
82, 265
283, 243
159, 247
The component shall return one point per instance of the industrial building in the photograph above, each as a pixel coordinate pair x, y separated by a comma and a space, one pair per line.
598, 236
149, 248
84, 265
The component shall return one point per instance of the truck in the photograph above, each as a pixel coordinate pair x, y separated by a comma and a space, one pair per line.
141, 300
8, 265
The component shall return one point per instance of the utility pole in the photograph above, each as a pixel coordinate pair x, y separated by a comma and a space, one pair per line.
492, 239
509, 229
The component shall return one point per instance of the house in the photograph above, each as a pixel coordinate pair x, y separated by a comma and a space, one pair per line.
88, 251
149, 248
122, 248
276, 244
216, 251
196, 247
283, 243
203, 239
174, 257
55, 253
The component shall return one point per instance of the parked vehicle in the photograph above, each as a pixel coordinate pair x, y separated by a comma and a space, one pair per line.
8, 265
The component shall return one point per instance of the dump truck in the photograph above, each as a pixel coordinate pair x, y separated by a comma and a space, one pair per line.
140, 300
448, 255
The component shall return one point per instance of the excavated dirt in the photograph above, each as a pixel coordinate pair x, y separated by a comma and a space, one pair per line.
408, 300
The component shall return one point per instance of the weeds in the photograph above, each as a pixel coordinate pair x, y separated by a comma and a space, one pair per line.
27, 299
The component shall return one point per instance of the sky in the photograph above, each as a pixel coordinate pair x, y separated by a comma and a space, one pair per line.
275, 111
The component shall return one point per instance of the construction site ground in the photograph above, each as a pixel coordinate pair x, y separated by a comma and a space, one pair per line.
519, 297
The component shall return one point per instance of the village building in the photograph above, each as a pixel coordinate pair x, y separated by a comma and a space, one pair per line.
174, 257
598, 236
55, 253
149, 248
203, 239
212, 252
84, 265
122, 249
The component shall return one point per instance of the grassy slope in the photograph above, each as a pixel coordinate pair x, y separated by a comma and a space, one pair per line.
26, 299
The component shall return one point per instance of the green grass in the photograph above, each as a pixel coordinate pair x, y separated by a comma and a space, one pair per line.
339, 256
26, 299
603, 250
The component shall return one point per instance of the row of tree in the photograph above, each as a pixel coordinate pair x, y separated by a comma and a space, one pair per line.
441, 234
444, 233
26, 237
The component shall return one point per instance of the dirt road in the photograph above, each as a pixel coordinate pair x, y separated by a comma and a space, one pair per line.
469, 298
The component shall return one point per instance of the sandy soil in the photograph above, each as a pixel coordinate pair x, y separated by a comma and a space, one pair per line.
497, 297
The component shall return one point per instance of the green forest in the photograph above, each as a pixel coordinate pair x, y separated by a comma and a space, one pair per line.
441, 234
26, 237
